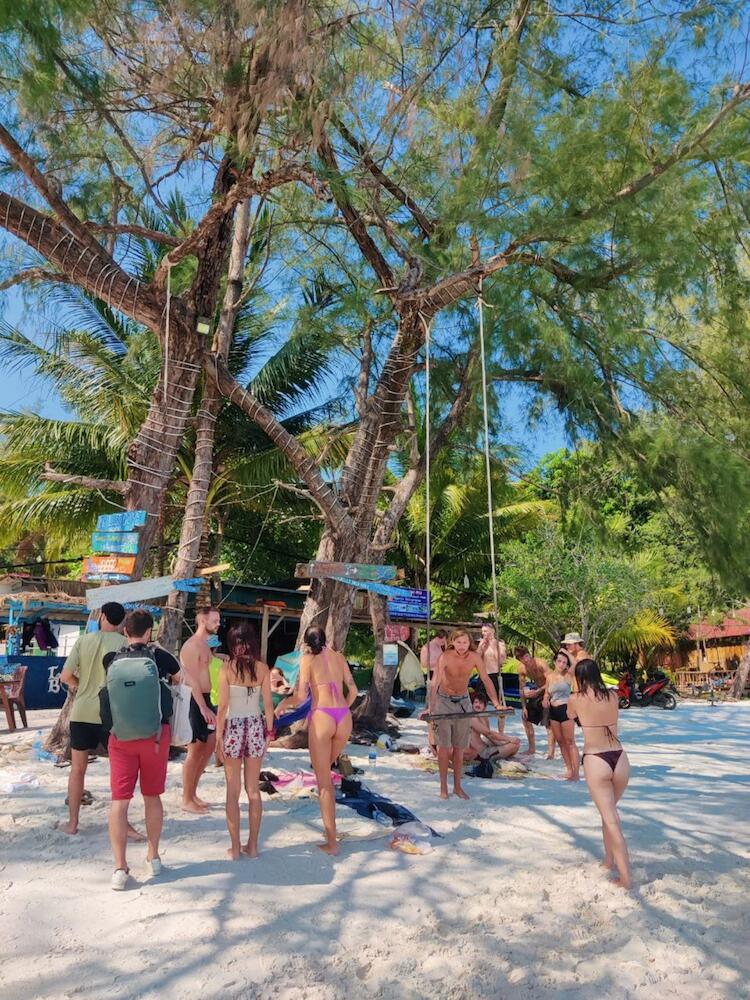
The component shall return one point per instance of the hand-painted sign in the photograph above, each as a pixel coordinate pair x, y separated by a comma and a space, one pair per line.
409, 604
353, 571
125, 542
121, 565
384, 589
126, 521
139, 590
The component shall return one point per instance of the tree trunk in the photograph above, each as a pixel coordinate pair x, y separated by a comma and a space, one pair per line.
194, 525
374, 708
740, 678
58, 740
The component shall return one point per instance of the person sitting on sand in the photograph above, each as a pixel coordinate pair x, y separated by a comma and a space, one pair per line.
605, 763
449, 695
485, 742
326, 673
279, 686
557, 692
241, 736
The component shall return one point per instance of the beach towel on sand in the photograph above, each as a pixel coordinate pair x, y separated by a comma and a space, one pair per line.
366, 803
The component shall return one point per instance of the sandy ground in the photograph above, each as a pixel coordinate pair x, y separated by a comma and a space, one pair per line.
510, 904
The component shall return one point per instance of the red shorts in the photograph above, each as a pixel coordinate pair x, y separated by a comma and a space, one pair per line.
130, 758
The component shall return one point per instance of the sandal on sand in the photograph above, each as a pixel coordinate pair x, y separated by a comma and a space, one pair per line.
86, 799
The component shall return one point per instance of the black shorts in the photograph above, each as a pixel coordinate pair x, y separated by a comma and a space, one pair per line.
201, 732
558, 713
535, 711
87, 735
495, 678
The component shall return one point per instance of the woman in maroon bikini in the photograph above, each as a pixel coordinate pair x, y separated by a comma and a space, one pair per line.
605, 763
326, 673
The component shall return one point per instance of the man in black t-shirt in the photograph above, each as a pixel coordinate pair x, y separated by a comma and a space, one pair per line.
130, 760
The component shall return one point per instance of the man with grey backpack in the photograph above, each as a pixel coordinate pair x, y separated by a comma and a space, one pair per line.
136, 705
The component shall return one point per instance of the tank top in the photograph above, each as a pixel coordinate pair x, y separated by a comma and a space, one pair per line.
244, 702
559, 691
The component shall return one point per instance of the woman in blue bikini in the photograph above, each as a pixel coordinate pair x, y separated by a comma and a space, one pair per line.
325, 673
605, 763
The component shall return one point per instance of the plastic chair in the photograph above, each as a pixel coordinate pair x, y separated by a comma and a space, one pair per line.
11, 694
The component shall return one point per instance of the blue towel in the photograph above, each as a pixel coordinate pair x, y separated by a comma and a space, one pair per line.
366, 802
295, 715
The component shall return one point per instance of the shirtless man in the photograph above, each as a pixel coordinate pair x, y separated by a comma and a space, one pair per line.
483, 742
573, 642
195, 657
494, 654
449, 693
532, 678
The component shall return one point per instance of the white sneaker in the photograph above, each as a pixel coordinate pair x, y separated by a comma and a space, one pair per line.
120, 879
155, 866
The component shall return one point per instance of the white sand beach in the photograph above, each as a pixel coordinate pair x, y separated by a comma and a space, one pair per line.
509, 905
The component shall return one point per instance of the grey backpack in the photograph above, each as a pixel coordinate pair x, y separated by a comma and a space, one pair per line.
137, 698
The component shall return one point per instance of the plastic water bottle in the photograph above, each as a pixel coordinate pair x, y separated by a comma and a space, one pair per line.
38, 748
372, 760
380, 817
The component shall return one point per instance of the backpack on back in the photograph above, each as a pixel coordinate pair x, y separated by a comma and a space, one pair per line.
135, 698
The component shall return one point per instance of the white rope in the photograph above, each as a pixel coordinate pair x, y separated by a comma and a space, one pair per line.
490, 506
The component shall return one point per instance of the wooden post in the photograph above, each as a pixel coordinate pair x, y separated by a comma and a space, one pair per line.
264, 635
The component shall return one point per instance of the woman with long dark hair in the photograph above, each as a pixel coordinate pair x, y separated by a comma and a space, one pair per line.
605, 763
241, 734
325, 673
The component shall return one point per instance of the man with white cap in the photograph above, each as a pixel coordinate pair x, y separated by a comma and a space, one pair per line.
573, 642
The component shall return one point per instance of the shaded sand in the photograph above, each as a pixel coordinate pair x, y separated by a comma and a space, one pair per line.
510, 905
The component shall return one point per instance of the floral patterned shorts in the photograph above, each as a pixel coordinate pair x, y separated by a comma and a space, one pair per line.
245, 737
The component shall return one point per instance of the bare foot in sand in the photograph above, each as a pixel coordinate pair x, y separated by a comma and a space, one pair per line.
460, 793
249, 852
332, 849
549, 756
194, 807
622, 883
135, 835
202, 803
234, 855
444, 793
70, 828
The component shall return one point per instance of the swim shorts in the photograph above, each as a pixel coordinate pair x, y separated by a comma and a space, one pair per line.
455, 732
201, 732
131, 759
87, 735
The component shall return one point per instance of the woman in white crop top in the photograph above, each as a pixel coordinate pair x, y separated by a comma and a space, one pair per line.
242, 733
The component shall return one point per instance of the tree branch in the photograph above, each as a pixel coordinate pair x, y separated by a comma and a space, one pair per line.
353, 219
425, 224
128, 229
49, 192
115, 486
91, 269
34, 274
245, 187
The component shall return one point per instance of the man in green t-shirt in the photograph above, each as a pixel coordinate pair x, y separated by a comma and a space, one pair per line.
84, 673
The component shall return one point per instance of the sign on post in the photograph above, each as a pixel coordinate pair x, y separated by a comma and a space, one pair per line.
409, 604
353, 571
126, 521
390, 654
97, 565
125, 542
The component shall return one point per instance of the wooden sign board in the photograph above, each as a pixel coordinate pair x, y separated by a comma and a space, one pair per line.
124, 542
410, 604
139, 590
353, 571
126, 521
121, 565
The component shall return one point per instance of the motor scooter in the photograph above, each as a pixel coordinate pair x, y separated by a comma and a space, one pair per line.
658, 692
